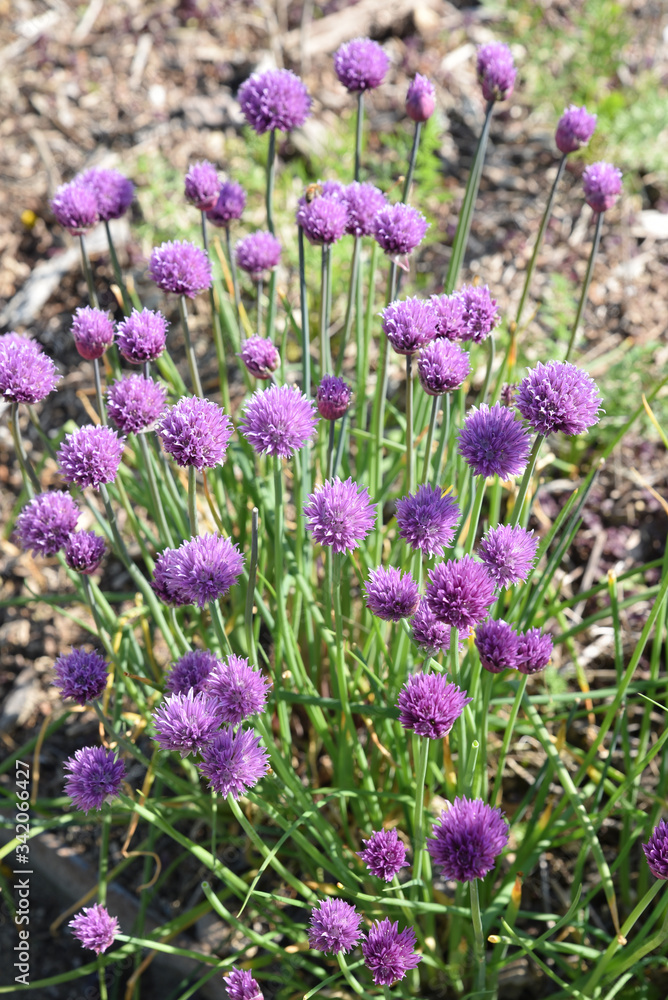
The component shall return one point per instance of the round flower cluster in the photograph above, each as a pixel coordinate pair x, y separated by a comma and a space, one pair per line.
260, 356
95, 777
340, 514
391, 595
333, 397
234, 761
324, 219
574, 129
493, 442
74, 206
409, 324
46, 522
229, 204
27, 375
558, 396
112, 191
602, 185
496, 71
430, 634
427, 519
84, 551
420, 99
94, 928
135, 403
360, 65
460, 592
202, 185
93, 332
430, 706
276, 99
384, 854
142, 336
364, 202
501, 648
196, 432
191, 671
237, 689
90, 456
279, 420
468, 838
180, 267
442, 366
186, 723
202, 569
398, 230
81, 676
257, 253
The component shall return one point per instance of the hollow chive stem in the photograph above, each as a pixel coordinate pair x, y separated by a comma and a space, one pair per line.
233, 270
325, 350
539, 240
158, 510
250, 590
258, 299
411, 163
97, 377
352, 297
526, 479
443, 437
219, 627
32, 483
468, 205
418, 811
281, 615
435, 404
192, 500
491, 352
303, 305
218, 341
478, 938
410, 456
271, 178
381, 389
585, 286
127, 303
480, 487
358, 133
497, 792
88, 273
190, 351
330, 450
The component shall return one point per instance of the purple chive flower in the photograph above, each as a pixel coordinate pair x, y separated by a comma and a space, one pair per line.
493, 442
202, 185
234, 762
191, 671
46, 522
496, 71
333, 397
237, 689
340, 514
279, 420
90, 456
509, 554
27, 375
229, 204
276, 99
364, 202
384, 854
398, 230
84, 551
460, 592
334, 926
427, 519
558, 396
142, 336
430, 706
602, 185
496, 642
388, 952
260, 356
409, 324
442, 366
186, 722
574, 129
323, 220
470, 836
81, 676
432, 635
93, 332
196, 432
134, 403
202, 569
180, 267
94, 928
449, 316
95, 777
360, 65
480, 315
113, 192
420, 99
257, 253
75, 207
12, 337
534, 650
656, 851
240, 985
391, 595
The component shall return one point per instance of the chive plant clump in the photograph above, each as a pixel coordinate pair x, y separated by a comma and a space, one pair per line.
343, 608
